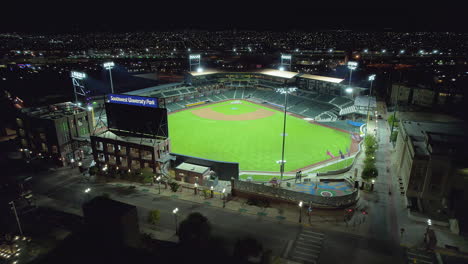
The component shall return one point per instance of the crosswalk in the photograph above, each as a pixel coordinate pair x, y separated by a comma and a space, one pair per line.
307, 247
419, 256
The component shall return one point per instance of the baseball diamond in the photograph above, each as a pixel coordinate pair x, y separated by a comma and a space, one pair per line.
251, 134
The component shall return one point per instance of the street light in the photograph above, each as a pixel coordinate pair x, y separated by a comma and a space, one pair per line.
175, 216
159, 183
212, 191
286, 92
371, 78
195, 189
224, 198
300, 212
108, 66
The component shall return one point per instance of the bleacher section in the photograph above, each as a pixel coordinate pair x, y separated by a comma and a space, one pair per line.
320, 107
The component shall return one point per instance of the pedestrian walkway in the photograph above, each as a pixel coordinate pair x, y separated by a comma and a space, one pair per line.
420, 256
307, 247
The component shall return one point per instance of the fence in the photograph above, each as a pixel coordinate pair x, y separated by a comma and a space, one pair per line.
241, 188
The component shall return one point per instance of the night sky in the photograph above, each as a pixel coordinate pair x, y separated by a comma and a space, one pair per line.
175, 15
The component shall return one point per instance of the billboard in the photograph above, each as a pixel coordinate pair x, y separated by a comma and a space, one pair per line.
134, 119
133, 100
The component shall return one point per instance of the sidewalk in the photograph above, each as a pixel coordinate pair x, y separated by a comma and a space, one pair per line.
283, 213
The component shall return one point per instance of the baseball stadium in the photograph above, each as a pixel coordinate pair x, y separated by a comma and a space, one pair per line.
240, 117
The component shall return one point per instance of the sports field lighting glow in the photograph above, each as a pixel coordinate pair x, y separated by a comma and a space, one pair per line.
349, 90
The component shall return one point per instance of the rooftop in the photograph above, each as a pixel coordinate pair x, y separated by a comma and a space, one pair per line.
321, 78
54, 111
278, 73
437, 131
365, 100
205, 72
130, 139
192, 167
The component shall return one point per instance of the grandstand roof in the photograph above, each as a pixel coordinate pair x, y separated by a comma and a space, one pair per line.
365, 100
278, 73
206, 72
321, 78
143, 91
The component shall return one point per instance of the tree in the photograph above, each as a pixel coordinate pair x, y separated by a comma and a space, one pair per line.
174, 186
147, 175
195, 230
390, 121
153, 217
394, 136
93, 170
369, 172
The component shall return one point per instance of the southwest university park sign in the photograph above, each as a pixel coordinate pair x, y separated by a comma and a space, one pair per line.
133, 100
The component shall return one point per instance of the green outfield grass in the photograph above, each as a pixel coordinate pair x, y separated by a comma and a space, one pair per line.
255, 144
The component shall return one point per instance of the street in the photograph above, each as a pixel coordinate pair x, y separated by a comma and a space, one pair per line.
283, 238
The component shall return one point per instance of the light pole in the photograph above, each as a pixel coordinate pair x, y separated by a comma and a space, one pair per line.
224, 198
371, 79
300, 212
195, 189
159, 184
87, 190
16, 216
212, 191
352, 65
286, 92
175, 217
108, 66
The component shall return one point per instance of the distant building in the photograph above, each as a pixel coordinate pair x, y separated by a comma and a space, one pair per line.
424, 96
431, 158
54, 131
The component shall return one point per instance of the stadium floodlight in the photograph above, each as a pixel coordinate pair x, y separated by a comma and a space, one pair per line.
286, 61
371, 77
195, 62
349, 90
352, 65
199, 69
78, 75
108, 66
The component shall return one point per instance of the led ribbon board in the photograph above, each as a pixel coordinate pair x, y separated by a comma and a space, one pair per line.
133, 100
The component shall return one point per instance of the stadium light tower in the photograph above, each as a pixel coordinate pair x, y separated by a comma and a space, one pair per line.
286, 60
352, 65
78, 84
108, 66
195, 62
284, 91
371, 78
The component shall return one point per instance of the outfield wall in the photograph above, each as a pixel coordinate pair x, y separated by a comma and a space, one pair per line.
278, 195
224, 170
